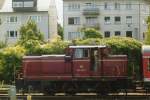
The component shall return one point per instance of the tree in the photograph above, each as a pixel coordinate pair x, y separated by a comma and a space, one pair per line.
10, 61
30, 32
60, 31
91, 33
147, 39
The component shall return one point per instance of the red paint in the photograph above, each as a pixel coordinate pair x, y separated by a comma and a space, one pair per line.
56, 68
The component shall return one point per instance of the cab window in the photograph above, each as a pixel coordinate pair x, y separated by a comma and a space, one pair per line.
148, 64
81, 53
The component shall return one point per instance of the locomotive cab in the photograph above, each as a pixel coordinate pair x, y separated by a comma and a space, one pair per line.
86, 61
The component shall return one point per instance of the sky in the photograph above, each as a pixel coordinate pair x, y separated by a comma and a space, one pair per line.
59, 5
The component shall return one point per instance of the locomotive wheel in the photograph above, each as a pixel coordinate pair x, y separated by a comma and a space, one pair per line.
69, 89
103, 88
48, 91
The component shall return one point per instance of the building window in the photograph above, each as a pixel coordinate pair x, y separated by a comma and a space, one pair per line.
12, 34
106, 6
90, 5
74, 7
129, 19
29, 4
117, 6
91, 20
117, 20
36, 18
128, 6
128, 33
106, 34
17, 4
74, 20
74, 35
107, 20
117, 33
12, 19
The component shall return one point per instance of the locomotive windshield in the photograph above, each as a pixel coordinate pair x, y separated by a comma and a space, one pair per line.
81, 53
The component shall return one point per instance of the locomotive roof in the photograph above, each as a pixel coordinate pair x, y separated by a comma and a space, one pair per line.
146, 49
88, 46
43, 56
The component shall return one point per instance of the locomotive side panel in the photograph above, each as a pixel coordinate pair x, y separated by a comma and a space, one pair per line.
81, 68
46, 68
55, 68
31, 67
115, 66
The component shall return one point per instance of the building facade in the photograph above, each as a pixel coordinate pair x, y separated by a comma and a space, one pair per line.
1, 3
125, 18
16, 13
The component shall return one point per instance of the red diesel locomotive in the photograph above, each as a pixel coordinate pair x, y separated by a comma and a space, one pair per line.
81, 69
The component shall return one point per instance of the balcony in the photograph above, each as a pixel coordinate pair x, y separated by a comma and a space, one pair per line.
24, 5
91, 11
93, 25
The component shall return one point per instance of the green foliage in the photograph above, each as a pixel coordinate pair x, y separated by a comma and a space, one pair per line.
60, 31
91, 33
56, 46
30, 32
147, 39
120, 45
2, 44
10, 60
31, 46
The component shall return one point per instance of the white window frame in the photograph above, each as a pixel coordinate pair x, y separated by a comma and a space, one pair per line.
128, 6
106, 6
73, 7
17, 4
117, 6
91, 20
9, 20
28, 3
130, 34
15, 34
129, 19
105, 34
107, 21
117, 34
117, 22
76, 21
74, 35
37, 18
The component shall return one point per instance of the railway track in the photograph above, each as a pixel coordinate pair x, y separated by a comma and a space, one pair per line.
83, 96
87, 97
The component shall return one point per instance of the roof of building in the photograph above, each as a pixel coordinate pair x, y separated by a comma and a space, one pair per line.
42, 5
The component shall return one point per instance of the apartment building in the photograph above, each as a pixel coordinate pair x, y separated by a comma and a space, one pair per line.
15, 13
125, 18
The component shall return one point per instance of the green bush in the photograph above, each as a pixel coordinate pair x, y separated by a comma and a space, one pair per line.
10, 60
2, 44
91, 33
